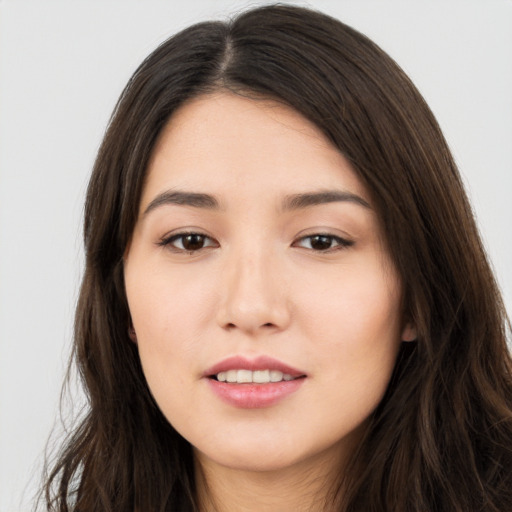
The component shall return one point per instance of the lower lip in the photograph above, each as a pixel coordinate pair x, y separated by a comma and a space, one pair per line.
254, 396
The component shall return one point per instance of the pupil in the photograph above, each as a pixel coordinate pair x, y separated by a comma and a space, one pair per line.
193, 242
321, 242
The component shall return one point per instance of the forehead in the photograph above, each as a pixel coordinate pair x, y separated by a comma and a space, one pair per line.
223, 143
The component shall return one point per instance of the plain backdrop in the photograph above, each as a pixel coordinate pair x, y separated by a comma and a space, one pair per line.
63, 65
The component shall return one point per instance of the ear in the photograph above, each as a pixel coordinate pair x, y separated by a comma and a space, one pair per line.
409, 332
132, 334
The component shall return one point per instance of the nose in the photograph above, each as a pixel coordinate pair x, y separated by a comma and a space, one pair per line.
254, 295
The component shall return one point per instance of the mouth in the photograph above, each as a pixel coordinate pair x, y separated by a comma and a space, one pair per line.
253, 383
259, 370
241, 376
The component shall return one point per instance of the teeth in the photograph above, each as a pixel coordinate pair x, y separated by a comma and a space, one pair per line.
276, 376
258, 376
261, 376
244, 376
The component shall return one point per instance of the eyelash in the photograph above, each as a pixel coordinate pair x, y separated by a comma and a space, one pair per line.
169, 241
341, 243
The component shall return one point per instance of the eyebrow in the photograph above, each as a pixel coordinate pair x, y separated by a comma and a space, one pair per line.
290, 203
193, 199
299, 201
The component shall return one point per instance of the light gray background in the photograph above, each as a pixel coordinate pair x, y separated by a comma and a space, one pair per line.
62, 67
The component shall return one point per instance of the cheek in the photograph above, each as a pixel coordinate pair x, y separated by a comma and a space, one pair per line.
170, 312
353, 322
165, 339
356, 305
163, 303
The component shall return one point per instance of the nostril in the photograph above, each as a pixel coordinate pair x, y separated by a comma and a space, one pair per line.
230, 326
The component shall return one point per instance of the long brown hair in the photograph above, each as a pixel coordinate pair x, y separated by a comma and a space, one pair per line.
441, 440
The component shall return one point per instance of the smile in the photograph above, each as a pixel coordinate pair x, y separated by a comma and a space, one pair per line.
257, 376
253, 383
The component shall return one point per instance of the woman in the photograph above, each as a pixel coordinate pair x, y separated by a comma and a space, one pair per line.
286, 304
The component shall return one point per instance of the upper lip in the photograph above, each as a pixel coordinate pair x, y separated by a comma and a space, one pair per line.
253, 364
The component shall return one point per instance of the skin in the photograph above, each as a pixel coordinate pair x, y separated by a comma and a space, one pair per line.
260, 285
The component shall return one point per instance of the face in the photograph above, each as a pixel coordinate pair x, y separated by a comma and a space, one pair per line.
265, 306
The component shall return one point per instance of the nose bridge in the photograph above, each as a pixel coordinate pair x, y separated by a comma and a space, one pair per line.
254, 291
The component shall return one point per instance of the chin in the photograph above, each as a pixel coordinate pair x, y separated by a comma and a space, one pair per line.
270, 455
255, 451
258, 460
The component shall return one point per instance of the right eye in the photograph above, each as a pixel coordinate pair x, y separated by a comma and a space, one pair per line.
188, 242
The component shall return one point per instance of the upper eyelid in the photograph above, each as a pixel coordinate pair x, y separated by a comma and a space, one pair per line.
322, 233
176, 233
318, 231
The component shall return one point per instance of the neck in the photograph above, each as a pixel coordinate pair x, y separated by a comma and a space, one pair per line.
305, 487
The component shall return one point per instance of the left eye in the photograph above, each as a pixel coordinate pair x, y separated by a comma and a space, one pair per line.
322, 243
189, 242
